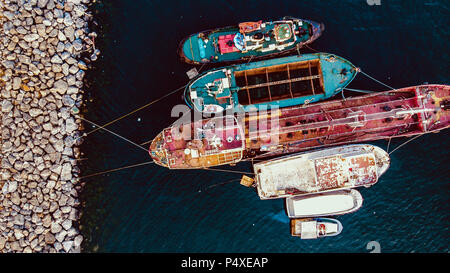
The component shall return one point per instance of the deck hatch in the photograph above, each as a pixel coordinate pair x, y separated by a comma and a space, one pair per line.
286, 81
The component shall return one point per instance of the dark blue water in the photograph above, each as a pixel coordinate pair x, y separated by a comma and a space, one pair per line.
152, 209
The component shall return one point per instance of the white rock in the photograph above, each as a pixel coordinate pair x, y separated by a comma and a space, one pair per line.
60, 86
47, 22
42, 3
19, 220
50, 184
67, 224
6, 106
58, 246
72, 90
31, 37
78, 240
68, 101
56, 59
67, 245
71, 125
8, 64
34, 112
18, 234
16, 83
55, 228
12, 186
61, 36
59, 145
68, 19
60, 236
77, 44
66, 172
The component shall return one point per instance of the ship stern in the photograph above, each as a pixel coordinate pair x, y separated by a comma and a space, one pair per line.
157, 151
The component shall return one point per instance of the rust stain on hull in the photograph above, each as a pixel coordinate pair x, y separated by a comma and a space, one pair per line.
396, 113
338, 168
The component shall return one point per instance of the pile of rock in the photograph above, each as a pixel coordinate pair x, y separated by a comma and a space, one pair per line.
41, 76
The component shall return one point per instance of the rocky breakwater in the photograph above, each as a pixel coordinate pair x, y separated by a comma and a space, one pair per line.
42, 43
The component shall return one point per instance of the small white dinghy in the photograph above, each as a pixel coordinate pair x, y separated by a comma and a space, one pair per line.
324, 204
309, 228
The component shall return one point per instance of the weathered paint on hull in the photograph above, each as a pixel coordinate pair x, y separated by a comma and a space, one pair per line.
323, 170
281, 82
397, 113
189, 51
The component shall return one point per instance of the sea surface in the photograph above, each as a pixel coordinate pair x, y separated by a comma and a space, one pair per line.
153, 209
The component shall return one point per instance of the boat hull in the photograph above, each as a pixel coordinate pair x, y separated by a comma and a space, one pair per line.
314, 228
205, 47
324, 170
282, 82
323, 204
396, 113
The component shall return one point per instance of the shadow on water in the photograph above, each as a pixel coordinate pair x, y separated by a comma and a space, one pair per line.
152, 209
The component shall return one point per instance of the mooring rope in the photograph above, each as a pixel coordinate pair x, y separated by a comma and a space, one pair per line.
372, 78
148, 141
200, 69
312, 48
130, 113
117, 135
359, 90
362, 72
116, 169
229, 171
388, 145
150, 162
218, 184
401, 145
251, 57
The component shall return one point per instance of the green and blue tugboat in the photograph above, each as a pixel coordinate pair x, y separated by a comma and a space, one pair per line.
281, 82
249, 41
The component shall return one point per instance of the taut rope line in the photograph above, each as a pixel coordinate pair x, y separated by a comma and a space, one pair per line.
401, 145
117, 169
229, 171
119, 136
368, 76
359, 90
132, 112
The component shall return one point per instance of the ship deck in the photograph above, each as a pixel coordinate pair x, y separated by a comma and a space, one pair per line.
402, 112
280, 82
211, 142
191, 46
396, 113
318, 171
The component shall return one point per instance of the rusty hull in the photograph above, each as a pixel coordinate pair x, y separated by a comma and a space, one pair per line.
343, 167
396, 113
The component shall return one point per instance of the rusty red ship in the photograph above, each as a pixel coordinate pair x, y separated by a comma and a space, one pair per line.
227, 140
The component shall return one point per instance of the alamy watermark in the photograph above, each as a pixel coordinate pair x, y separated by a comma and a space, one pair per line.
374, 246
193, 125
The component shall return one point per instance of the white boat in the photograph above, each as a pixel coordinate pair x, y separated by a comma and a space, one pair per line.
309, 228
324, 170
324, 204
